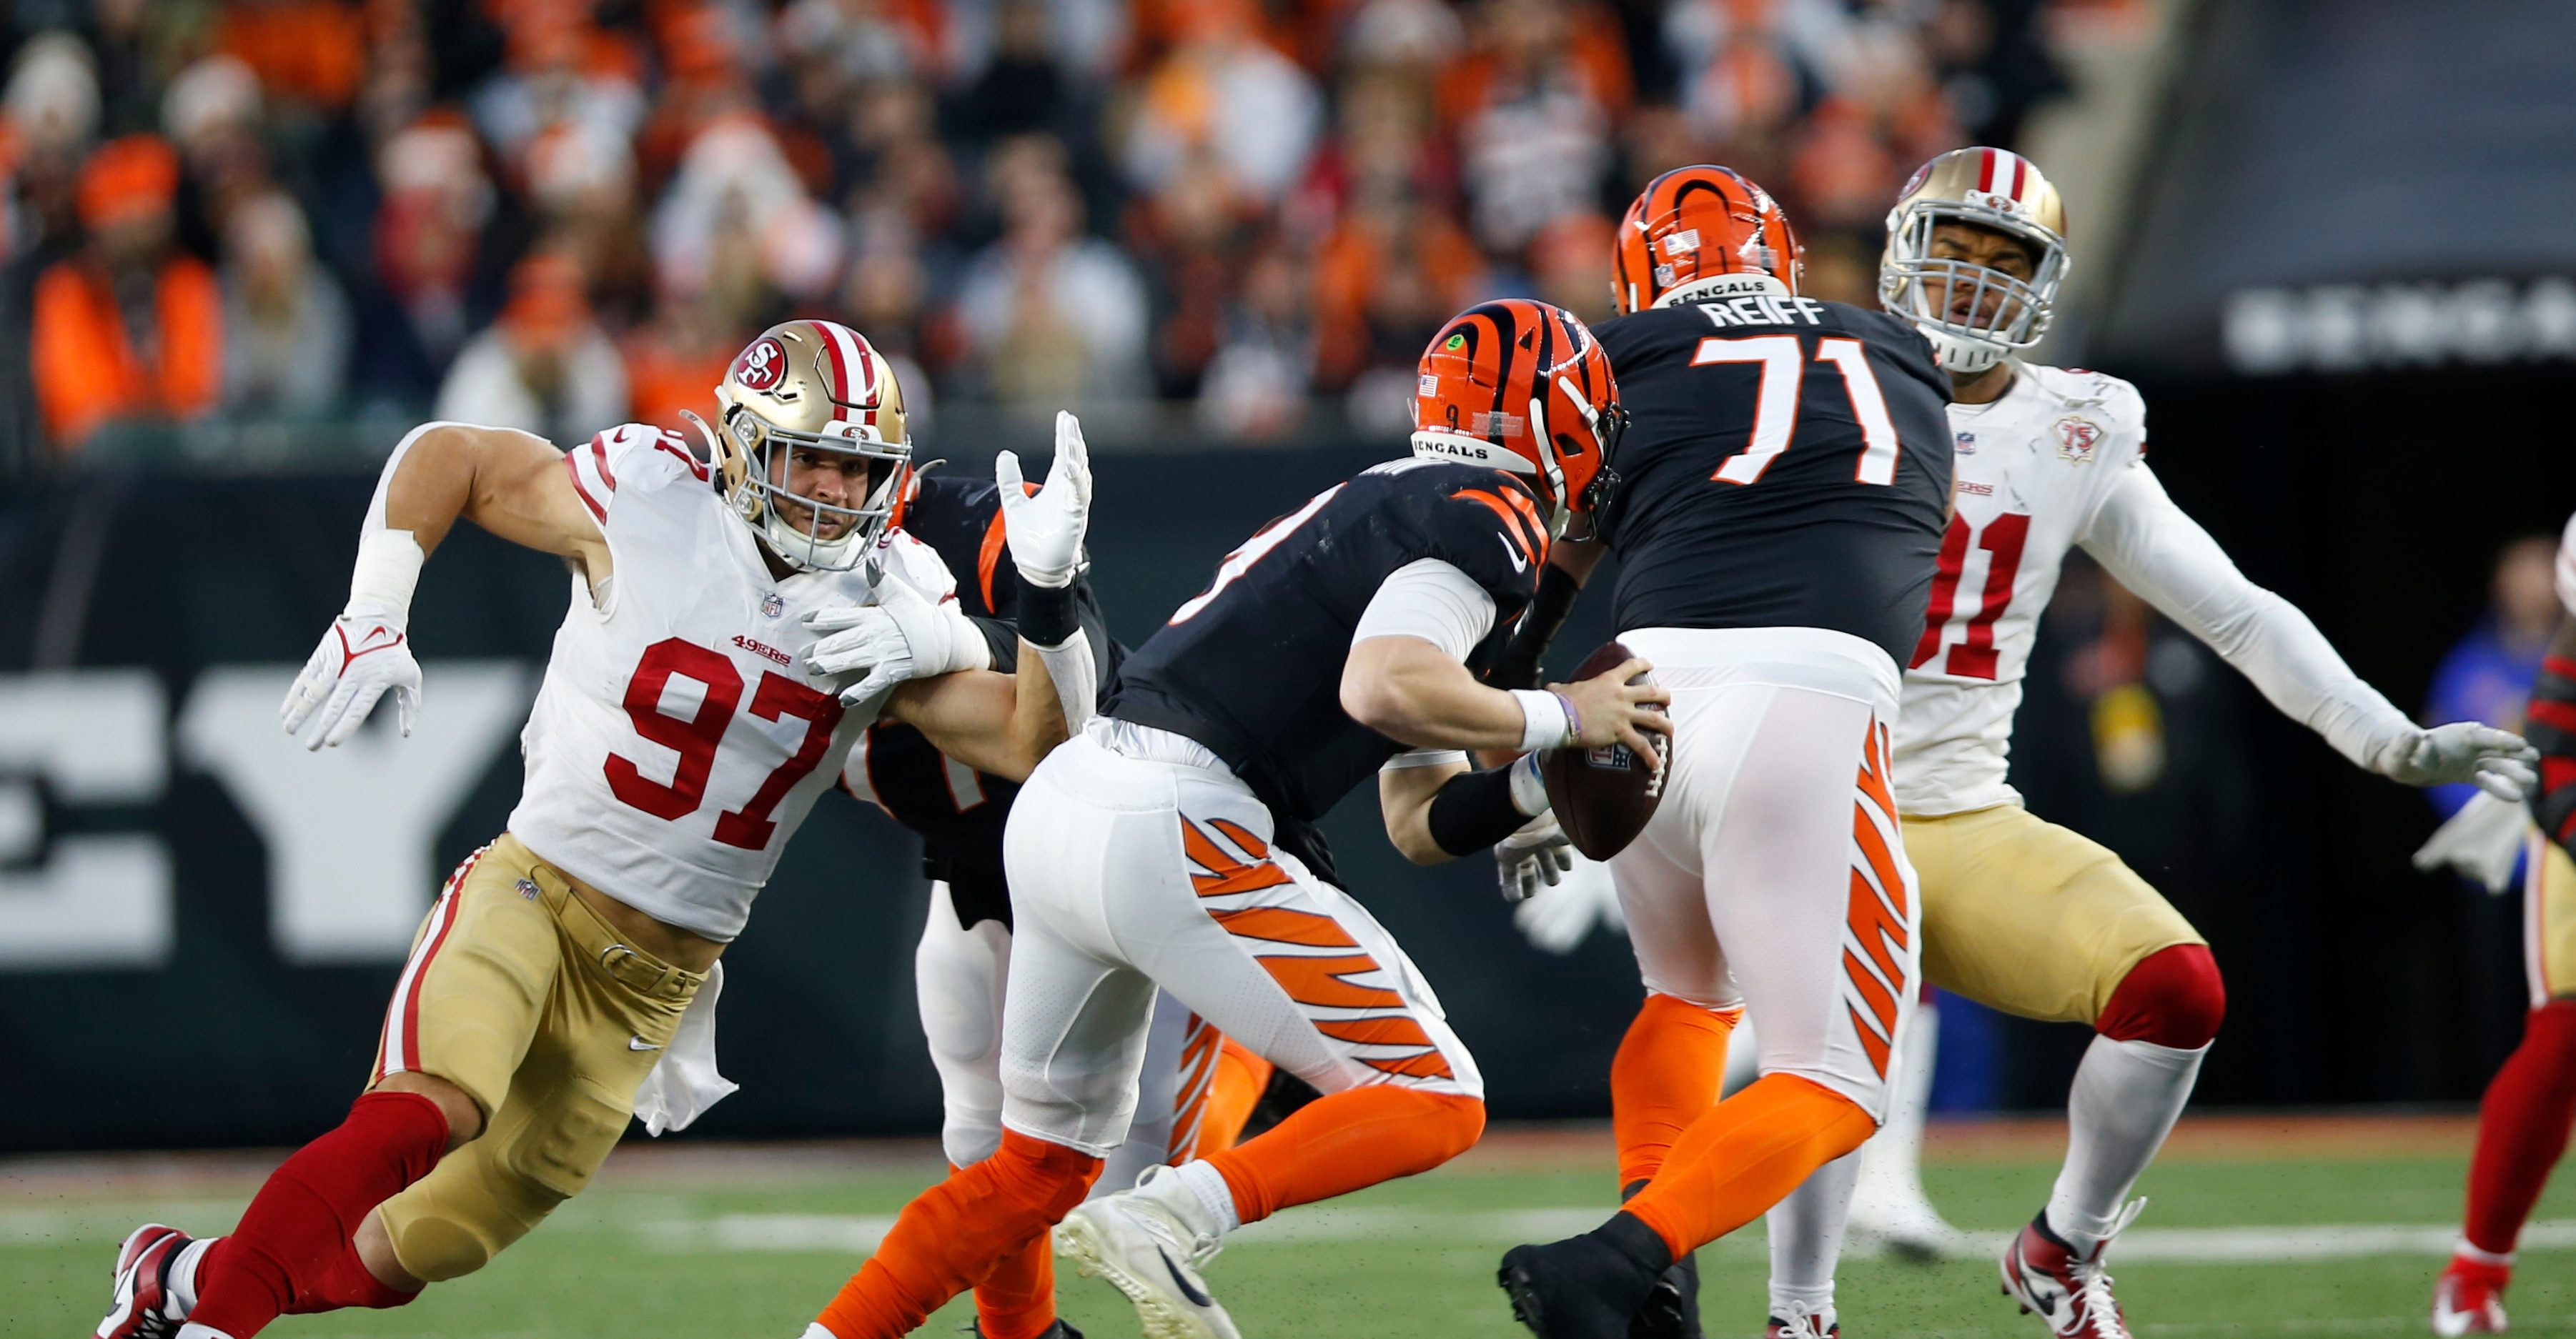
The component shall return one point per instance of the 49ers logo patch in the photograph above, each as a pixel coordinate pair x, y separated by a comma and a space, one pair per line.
2076, 437
763, 365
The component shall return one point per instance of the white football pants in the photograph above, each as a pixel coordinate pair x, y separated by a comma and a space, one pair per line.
1773, 875
1137, 860
958, 975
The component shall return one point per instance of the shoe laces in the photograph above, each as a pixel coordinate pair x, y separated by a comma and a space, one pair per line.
1805, 1321
1166, 1224
2094, 1302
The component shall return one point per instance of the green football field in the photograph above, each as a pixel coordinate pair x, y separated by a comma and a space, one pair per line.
2314, 1228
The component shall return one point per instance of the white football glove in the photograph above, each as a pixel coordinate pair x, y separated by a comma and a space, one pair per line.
364, 656
2498, 761
1560, 918
1535, 857
2481, 842
904, 635
1045, 530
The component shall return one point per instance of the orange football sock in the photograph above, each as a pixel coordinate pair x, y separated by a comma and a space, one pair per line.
1017, 1300
1737, 1161
1241, 1078
1343, 1141
953, 1235
1664, 1079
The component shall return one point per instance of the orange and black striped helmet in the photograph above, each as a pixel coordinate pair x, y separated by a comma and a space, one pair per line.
1695, 226
1524, 387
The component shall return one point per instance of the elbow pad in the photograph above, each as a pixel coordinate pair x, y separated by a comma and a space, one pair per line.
1517, 665
1474, 810
2550, 725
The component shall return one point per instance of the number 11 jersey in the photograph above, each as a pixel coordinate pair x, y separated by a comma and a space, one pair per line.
678, 740
1786, 465
2034, 469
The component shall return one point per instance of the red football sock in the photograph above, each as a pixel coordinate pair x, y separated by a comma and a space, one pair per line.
1343, 1141
2522, 1128
956, 1233
292, 1251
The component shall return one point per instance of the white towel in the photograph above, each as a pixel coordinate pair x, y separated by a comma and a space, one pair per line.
684, 1082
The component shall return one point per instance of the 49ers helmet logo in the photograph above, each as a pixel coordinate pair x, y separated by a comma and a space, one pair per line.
763, 364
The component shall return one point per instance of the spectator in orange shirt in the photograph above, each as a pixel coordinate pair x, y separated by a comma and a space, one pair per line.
127, 328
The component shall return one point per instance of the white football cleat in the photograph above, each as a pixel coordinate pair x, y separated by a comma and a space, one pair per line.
1137, 1244
1906, 1224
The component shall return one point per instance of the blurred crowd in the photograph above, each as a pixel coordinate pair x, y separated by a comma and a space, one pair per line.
557, 214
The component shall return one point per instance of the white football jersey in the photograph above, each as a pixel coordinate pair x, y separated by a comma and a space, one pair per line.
2567, 566
678, 739
2033, 470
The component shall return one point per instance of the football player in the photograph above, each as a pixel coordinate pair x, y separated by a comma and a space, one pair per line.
2531, 1102
1198, 1086
2019, 914
1173, 843
1787, 479
691, 712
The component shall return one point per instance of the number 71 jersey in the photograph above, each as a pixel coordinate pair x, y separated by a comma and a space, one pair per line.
2033, 469
678, 739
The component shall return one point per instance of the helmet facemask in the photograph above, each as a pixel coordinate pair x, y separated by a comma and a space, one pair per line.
2004, 314
767, 462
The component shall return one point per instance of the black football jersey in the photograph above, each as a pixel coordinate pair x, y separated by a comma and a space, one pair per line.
958, 811
1786, 464
1253, 667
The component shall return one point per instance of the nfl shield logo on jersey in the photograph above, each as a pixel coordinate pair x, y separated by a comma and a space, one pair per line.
2076, 437
771, 605
1967, 443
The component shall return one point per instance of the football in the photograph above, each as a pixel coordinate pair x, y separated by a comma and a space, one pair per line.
1604, 796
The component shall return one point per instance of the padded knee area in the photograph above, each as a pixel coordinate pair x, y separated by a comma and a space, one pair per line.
452, 1222
2173, 997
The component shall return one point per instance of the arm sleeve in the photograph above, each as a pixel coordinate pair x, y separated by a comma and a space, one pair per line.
2160, 553
1433, 600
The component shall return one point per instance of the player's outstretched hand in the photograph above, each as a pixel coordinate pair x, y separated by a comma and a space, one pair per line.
2498, 761
2482, 842
904, 635
362, 658
1559, 919
1045, 529
1535, 857
1608, 709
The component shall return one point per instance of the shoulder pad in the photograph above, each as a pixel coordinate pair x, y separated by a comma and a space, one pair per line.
917, 565
631, 457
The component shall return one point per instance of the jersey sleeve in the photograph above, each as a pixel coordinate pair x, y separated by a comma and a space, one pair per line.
2124, 415
632, 457
2567, 567
1486, 524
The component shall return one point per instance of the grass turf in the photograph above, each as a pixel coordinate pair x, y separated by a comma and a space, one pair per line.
753, 1249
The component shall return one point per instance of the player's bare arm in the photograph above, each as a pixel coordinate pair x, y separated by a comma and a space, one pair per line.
1412, 691
1002, 724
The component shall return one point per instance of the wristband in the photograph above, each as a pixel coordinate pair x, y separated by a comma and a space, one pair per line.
386, 573
1547, 719
1049, 616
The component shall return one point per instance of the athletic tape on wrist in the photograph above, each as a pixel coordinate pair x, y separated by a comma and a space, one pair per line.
1547, 719
386, 573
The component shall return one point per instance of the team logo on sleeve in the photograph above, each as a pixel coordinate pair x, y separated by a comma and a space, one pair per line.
2076, 437
762, 365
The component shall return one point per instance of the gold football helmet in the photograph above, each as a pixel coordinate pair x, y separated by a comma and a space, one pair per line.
1975, 315
810, 386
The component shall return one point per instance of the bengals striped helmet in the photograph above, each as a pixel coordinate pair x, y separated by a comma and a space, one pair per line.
803, 389
1691, 230
1974, 314
1524, 387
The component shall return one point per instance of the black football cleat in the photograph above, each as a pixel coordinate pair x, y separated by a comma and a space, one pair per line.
1586, 1287
1062, 1329
1671, 1311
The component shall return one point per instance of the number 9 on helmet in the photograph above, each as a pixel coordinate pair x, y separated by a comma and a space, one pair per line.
1524, 387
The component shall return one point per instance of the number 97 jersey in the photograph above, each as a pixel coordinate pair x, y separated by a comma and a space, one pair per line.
678, 739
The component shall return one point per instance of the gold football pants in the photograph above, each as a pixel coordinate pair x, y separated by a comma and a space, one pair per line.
2032, 918
518, 993
2549, 920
